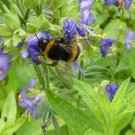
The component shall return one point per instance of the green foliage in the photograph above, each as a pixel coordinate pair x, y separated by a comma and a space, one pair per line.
85, 109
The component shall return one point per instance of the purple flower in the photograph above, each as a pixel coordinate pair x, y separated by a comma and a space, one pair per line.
127, 3
76, 66
32, 44
111, 90
130, 36
71, 29
4, 63
30, 103
112, 2
86, 17
25, 53
20, 44
106, 43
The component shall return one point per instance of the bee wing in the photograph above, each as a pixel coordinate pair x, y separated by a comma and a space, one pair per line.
67, 48
64, 71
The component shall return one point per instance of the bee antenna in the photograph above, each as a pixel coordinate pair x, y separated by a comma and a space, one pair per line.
36, 36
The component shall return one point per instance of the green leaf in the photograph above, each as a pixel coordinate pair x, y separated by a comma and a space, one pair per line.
31, 28
89, 95
92, 132
118, 98
12, 21
9, 111
132, 61
5, 31
32, 127
14, 128
74, 118
120, 121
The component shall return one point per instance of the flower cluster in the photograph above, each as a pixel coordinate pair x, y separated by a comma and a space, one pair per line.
111, 90
30, 103
130, 36
106, 43
71, 28
32, 44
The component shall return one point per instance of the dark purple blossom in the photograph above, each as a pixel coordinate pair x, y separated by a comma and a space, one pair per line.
71, 29
20, 44
112, 2
111, 90
4, 63
130, 36
30, 103
32, 44
106, 43
76, 66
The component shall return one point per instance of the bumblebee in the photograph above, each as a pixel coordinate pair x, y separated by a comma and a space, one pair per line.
59, 49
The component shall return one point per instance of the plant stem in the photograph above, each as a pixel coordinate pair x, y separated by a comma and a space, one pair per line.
26, 15
80, 77
2, 8
47, 77
39, 74
7, 3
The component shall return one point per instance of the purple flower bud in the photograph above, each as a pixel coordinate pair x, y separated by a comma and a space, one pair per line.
111, 90
20, 44
130, 36
85, 4
32, 44
86, 18
76, 66
106, 43
25, 53
31, 83
71, 28
4, 63
111, 2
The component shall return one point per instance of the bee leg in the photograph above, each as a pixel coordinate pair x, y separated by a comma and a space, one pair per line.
53, 64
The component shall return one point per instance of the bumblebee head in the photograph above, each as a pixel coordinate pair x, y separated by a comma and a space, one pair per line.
42, 43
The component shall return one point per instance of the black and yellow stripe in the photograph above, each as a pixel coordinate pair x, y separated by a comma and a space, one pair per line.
75, 53
48, 47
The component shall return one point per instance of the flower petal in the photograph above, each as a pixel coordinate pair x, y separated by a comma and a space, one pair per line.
4, 63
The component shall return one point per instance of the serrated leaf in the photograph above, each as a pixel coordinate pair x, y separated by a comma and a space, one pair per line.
74, 118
